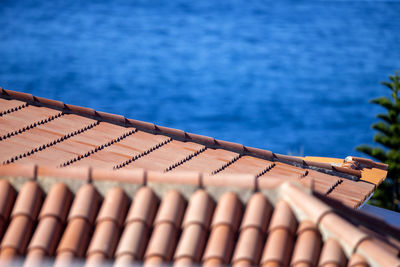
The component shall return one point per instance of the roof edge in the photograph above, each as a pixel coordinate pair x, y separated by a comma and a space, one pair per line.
333, 225
306, 162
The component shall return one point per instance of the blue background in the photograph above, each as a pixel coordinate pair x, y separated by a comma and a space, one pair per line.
289, 76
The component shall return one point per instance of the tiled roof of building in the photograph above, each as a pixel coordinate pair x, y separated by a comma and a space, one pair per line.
48, 132
78, 184
101, 216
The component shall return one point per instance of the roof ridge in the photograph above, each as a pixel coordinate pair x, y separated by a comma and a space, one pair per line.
332, 225
184, 136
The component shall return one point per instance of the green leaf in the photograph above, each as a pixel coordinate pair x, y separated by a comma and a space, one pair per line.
377, 153
383, 128
386, 141
389, 118
384, 102
389, 85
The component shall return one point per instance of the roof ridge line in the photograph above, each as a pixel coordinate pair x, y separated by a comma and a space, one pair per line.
306, 206
179, 134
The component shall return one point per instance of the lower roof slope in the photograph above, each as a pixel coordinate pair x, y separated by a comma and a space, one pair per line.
42, 131
135, 216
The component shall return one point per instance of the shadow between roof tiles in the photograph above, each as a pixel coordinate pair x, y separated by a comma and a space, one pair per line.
223, 167
136, 157
98, 148
31, 126
50, 144
177, 164
13, 108
267, 169
334, 186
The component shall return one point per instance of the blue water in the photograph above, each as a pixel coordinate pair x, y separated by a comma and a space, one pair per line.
289, 76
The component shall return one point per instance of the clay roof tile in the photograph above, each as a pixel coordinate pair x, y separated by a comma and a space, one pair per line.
332, 254
114, 207
7, 198
228, 211
308, 245
86, 204
171, 209
57, 203
200, 209
257, 214
29, 201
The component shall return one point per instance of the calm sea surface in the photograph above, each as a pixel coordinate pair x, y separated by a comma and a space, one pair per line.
288, 76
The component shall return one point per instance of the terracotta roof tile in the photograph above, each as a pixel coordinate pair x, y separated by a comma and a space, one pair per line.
248, 165
200, 210
86, 204
163, 160
46, 238
77, 234
28, 201
252, 231
332, 254
350, 236
25, 119
357, 260
279, 244
114, 207
75, 239
7, 198
171, 209
8, 106
77, 146
378, 255
51, 222
57, 203
195, 228
166, 226
23, 217
108, 226
209, 161
223, 229
123, 152
308, 245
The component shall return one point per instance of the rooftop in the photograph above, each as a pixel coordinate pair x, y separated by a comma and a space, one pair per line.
48, 132
79, 184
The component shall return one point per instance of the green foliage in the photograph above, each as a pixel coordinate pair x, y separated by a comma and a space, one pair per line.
388, 137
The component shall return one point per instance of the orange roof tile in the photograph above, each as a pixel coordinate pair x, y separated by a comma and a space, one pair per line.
47, 132
156, 222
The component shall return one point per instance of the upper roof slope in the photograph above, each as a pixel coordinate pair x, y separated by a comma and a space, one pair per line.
49, 132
